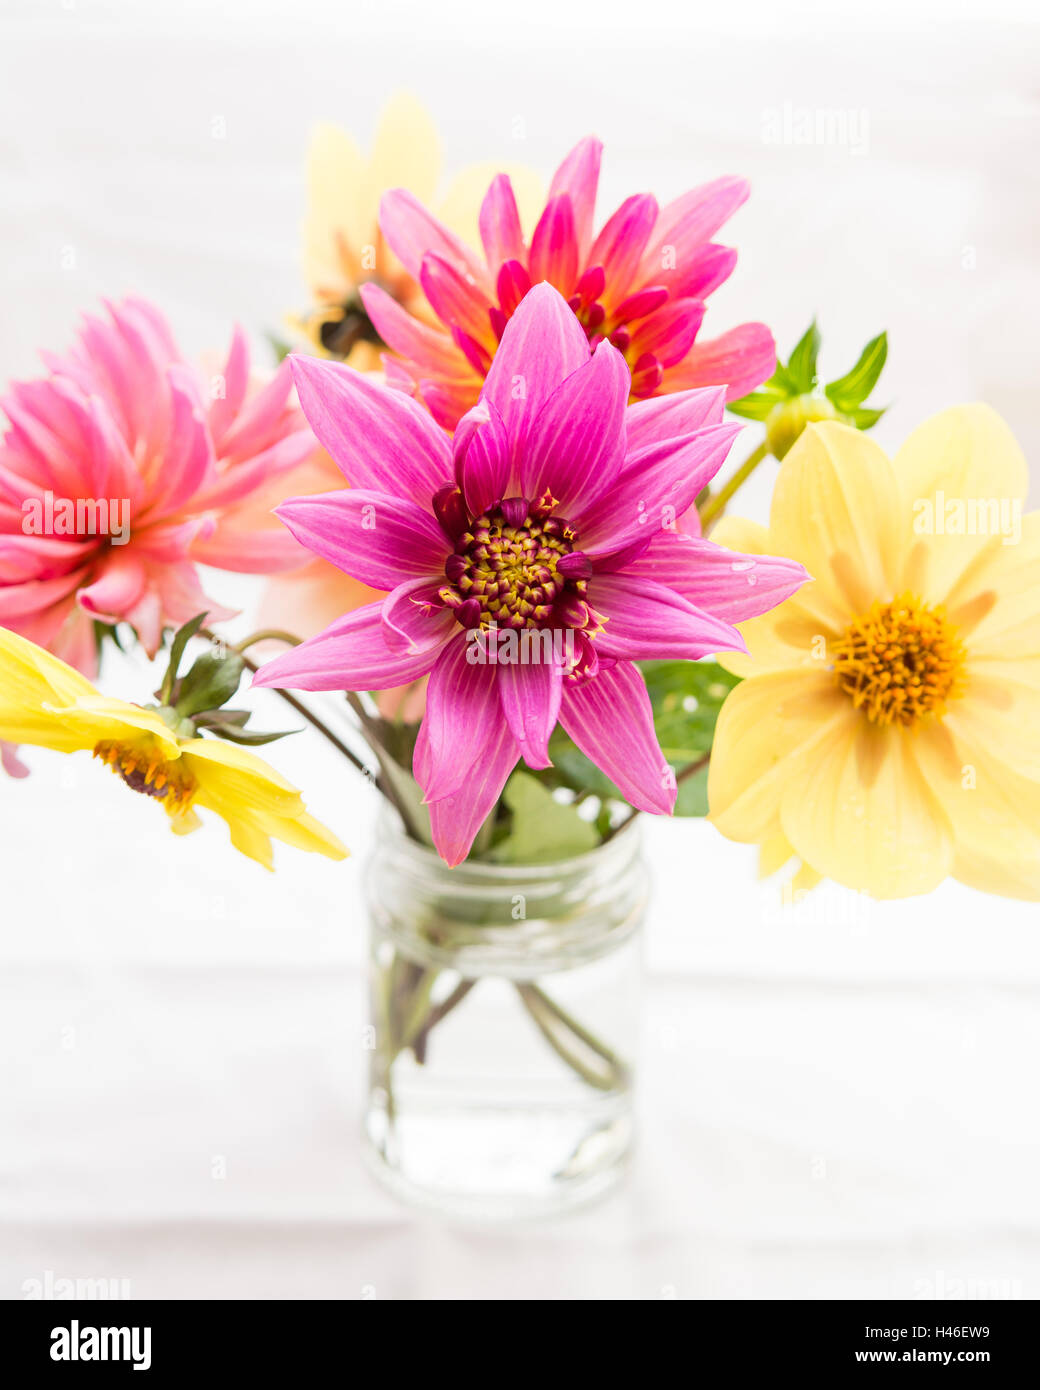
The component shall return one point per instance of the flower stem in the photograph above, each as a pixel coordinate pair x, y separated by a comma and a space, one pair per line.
716, 504
599, 1067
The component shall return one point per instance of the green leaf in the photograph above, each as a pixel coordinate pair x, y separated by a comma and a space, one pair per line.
181, 639
234, 734
686, 698
212, 680
693, 795
542, 828
759, 405
854, 388
865, 419
802, 365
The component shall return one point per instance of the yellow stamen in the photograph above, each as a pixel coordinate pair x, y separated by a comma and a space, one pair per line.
900, 661
145, 770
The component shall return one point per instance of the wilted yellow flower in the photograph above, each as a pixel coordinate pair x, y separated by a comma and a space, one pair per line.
888, 731
342, 244
45, 702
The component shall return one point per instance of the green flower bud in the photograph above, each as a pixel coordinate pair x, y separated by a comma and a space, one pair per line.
786, 421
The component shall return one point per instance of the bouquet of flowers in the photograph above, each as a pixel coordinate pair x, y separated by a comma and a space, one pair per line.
485, 491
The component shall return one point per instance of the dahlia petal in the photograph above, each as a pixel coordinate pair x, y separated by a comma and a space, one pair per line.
542, 344
225, 408
455, 819
668, 417
554, 247
670, 332
121, 583
19, 600
462, 710
740, 360
657, 485
530, 696
610, 719
578, 176
619, 246
482, 458
262, 415
10, 761
426, 347
726, 583
188, 459
702, 273
689, 221
352, 654
414, 619
448, 401
27, 557
380, 438
456, 298
645, 620
411, 231
500, 230
576, 442
371, 536
240, 480
266, 550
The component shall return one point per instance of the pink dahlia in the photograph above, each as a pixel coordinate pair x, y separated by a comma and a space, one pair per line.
640, 284
547, 518
124, 469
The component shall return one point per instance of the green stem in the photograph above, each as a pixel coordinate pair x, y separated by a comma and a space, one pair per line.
716, 504
605, 1071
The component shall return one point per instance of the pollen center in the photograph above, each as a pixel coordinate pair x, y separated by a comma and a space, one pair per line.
516, 566
144, 769
900, 661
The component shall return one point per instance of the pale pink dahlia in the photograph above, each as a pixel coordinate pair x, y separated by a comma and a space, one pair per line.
639, 284
547, 515
126, 467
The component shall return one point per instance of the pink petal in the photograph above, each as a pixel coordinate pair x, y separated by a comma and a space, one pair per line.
428, 348
236, 379
352, 654
578, 176
729, 584
188, 462
117, 589
619, 246
11, 763
266, 550
462, 710
554, 247
500, 229
740, 360
371, 536
670, 332
482, 458
576, 442
240, 480
20, 600
455, 819
456, 298
611, 721
702, 273
542, 344
685, 224
646, 620
411, 231
379, 438
413, 616
667, 417
530, 696
262, 415
656, 486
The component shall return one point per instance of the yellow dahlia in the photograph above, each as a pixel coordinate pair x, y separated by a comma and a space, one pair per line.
888, 729
45, 702
343, 247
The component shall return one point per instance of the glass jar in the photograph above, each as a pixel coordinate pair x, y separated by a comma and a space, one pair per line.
504, 1018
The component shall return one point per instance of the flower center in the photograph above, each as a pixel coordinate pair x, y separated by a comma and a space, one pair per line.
144, 769
516, 567
900, 661
340, 327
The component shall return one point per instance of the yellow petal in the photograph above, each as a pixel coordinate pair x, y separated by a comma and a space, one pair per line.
836, 509
406, 153
765, 737
95, 717
337, 207
237, 775
460, 208
1001, 715
994, 811
996, 600
32, 681
963, 454
863, 814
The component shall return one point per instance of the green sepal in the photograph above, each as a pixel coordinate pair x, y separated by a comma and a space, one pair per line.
213, 679
854, 387
181, 638
801, 368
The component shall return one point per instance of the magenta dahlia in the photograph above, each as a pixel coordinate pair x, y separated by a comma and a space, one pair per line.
526, 564
125, 468
640, 284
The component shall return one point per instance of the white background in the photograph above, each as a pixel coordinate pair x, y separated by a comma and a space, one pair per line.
841, 1102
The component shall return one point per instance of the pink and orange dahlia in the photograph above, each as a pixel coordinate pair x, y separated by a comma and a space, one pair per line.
125, 468
639, 284
550, 517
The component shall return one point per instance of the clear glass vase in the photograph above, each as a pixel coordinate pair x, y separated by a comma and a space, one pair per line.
504, 1019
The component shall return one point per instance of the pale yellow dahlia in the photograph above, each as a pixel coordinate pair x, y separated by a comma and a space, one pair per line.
888, 729
343, 247
45, 702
